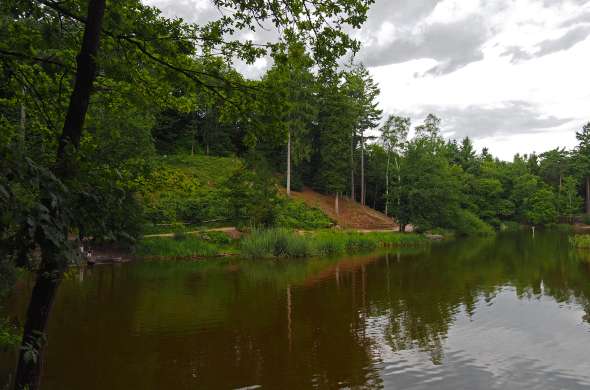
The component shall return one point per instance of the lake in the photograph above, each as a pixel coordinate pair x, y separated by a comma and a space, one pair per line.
509, 312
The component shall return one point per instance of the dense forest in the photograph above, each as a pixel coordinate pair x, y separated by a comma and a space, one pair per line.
97, 98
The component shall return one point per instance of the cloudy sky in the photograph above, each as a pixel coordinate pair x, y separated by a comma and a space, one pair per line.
514, 75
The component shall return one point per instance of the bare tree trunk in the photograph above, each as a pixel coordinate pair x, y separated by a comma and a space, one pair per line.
336, 206
387, 183
363, 189
399, 181
52, 265
375, 195
23, 123
352, 189
289, 163
28, 374
80, 98
193, 142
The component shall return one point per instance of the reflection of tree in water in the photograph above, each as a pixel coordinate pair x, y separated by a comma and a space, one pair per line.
421, 294
295, 324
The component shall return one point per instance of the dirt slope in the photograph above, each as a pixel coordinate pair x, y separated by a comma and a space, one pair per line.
352, 214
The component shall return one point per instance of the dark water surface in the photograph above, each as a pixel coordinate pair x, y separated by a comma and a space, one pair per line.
509, 312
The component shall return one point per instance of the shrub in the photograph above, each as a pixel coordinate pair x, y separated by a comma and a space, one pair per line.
296, 214
581, 241
252, 196
541, 208
219, 238
468, 224
10, 335
586, 219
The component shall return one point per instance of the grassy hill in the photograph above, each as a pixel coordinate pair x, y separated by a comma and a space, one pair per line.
184, 192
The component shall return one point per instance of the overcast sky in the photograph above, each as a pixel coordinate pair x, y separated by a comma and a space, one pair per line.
514, 75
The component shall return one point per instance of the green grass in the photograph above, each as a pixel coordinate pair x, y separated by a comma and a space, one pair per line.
207, 170
287, 243
275, 243
190, 246
186, 189
580, 241
295, 214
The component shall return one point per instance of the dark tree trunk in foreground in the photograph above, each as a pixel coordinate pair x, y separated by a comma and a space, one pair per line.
53, 264
80, 98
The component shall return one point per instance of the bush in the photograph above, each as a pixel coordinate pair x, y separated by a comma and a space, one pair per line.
252, 195
10, 335
586, 219
295, 214
581, 241
219, 238
468, 224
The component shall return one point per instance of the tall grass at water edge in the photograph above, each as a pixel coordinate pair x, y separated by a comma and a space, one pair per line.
288, 243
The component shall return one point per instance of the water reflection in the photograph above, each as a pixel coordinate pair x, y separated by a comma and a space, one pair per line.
506, 312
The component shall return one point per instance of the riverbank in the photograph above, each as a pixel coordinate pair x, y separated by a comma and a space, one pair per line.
268, 243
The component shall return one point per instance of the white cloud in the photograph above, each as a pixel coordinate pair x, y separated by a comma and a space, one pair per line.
555, 85
512, 74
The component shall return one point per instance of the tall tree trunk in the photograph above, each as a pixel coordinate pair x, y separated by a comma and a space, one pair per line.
69, 140
23, 123
375, 195
30, 363
52, 264
387, 183
399, 182
289, 163
352, 189
588, 195
336, 206
363, 189
194, 135
559, 196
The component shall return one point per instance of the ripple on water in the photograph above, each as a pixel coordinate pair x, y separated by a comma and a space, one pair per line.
499, 346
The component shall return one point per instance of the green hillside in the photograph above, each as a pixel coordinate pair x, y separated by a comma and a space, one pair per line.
183, 192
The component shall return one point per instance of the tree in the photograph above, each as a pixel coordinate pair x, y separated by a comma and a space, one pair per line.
569, 202
394, 134
331, 139
429, 129
139, 48
430, 193
363, 93
290, 85
541, 208
467, 156
53, 242
583, 160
